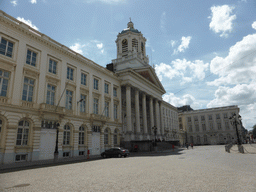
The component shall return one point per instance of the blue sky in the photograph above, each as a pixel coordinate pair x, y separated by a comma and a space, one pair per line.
204, 52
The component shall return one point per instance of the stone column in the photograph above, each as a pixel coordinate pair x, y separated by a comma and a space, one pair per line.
157, 117
137, 111
144, 110
128, 109
151, 112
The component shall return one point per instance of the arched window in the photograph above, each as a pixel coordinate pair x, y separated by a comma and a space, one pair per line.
81, 135
125, 47
22, 134
106, 136
66, 135
135, 45
116, 137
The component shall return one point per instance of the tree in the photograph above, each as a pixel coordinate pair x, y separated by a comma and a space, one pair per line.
254, 131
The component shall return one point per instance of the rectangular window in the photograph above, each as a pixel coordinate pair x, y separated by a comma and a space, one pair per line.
106, 86
202, 118
217, 116
50, 97
115, 111
4, 79
210, 117
83, 79
211, 126
179, 119
96, 128
21, 157
106, 109
81, 153
190, 128
189, 119
83, 104
195, 118
115, 92
31, 58
95, 106
6, 47
227, 125
28, 89
69, 95
197, 127
96, 84
204, 127
225, 115
65, 154
70, 73
52, 66
219, 126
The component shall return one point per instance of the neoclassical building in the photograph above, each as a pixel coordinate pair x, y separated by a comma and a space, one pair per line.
208, 126
141, 90
50, 94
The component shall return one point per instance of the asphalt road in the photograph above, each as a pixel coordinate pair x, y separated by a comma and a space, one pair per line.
204, 168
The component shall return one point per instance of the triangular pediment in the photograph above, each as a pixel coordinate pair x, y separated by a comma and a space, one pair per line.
149, 74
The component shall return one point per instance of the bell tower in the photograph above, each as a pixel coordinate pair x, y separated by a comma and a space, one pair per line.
131, 49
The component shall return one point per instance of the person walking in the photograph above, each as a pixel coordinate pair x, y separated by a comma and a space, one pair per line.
173, 147
191, 145
187, 145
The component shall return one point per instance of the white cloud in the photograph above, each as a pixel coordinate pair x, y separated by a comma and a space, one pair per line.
239, 66
14, 2
254, 25
184, 44
186, 99
33, 1
187, 70
242, 95
222, 20
100, 45
77, 48
28, 22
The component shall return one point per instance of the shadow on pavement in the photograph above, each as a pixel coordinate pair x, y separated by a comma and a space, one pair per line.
44, 164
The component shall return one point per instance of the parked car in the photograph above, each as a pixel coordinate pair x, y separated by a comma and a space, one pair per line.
116, 152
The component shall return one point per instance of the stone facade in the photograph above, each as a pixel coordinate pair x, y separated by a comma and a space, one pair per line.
208, 126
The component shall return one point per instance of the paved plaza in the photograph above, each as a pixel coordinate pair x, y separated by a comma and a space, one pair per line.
204, 168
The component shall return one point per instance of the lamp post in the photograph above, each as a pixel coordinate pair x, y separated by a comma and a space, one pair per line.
56, 152
155, 132
233, 122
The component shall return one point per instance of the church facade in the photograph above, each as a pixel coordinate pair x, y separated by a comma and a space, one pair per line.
55, 101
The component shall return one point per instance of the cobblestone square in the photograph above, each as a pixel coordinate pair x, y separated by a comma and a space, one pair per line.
204, 168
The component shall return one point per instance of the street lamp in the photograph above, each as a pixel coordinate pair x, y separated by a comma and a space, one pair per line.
155, 132
233, 122
56, 152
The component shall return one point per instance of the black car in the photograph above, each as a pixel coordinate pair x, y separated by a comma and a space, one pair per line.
116, 152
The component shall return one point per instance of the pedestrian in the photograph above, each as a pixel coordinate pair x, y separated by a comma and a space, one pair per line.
173, 147
191, 145
187, 145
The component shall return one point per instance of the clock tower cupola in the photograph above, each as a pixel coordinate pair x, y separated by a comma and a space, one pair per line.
130, 45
